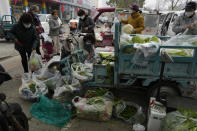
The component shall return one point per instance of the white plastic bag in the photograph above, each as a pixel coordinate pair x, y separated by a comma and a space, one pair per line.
45, 72
30, 88
144, 52
46, 37
35, 62
81, 71
99, 112
138, 117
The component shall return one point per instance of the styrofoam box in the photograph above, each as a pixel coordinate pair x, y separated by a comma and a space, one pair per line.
156, 114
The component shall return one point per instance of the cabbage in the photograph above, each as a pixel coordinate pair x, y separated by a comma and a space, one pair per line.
179, 52
128, 29
155, 39
137, 39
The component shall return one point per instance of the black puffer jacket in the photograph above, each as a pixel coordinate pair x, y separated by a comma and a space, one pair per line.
86, 22
28, 38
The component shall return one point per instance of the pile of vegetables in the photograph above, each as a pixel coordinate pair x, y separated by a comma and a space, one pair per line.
128, 112
182, 120
107, 57
32, 87
96, 93
180, 52
96, 100
138, 40
81, 69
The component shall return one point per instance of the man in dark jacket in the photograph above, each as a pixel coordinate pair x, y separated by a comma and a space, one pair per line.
34, 10
25, 38
86, 24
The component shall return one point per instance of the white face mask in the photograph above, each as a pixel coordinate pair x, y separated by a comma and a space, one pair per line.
27, 25
188, 14
82, 17
132, 11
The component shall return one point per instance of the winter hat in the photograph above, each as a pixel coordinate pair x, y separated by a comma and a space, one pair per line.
134, 7
190, 6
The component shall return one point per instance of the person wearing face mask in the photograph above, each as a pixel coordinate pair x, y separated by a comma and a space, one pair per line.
34, 11
54, 31
135, 19
25, 38
186, 22
86, 24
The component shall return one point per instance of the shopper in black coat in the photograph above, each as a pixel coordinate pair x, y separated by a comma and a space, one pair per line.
25, 38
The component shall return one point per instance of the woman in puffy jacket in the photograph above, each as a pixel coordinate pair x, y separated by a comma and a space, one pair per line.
135, 19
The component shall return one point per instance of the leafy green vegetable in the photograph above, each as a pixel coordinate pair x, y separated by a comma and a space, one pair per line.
96, 100
128, 112
137, 39
188, 113
194, 43
155, 39
96, 93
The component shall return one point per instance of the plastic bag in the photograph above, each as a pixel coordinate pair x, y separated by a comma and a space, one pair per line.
113, 26
144, 52
35, 62
125, 39
46, 38
138, 116
175, 121
51, 111
82, 72
138, 127
30, 88
67, 88
182, 40
46, 73
96, 108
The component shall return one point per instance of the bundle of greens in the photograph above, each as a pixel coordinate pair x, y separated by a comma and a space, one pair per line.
128, 112
96, 93
182, 120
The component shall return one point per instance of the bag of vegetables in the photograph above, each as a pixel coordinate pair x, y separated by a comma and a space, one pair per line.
129, 112
82, 72
181, 120
95, 108
35, 62
29, 89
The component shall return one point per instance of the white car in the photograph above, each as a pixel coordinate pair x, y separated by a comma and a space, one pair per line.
44, 19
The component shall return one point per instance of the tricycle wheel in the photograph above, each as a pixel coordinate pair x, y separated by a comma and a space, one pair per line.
166, 89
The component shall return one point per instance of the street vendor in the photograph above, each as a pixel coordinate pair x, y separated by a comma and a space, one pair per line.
87, 45
186, 22
135, 19
86, 23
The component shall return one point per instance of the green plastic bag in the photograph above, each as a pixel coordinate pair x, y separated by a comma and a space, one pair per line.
51, 112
